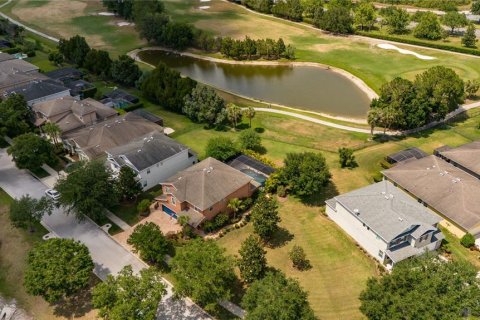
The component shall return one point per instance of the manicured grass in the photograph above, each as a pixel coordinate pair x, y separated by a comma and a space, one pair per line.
358, 56
127, 211
459, 252
339, 269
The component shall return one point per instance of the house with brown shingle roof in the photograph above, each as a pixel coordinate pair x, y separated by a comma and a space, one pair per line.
71, 114
203, 190
92, 141
465, 157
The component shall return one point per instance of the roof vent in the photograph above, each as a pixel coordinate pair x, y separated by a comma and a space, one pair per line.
139, 150
400, 219
383, 192
391, 196
357, 212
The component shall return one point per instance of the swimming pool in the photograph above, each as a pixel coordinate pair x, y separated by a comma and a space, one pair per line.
260, 178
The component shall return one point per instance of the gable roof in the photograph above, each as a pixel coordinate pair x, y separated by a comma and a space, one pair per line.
467, 155
386, 210
120, 94
447, 189
37, 89
96, 139
67, 72
147, 150
207, 183
17, 65
5, 56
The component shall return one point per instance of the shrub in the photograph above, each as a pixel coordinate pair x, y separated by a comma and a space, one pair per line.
143, 207
282, 191
468, 241
299, 258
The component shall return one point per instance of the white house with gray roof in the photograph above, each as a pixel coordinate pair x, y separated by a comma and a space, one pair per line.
154, 157
387, 222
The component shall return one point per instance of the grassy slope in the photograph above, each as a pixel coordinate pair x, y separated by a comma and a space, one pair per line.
360, 57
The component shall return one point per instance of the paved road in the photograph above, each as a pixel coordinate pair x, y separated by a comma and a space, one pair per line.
109, 256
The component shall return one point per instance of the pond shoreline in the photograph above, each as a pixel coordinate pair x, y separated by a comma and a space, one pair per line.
370, 93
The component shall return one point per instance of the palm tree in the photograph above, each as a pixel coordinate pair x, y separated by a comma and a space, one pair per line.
235, 205
250, 114
53, 131
234, 114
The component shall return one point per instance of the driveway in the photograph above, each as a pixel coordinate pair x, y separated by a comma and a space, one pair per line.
109, 256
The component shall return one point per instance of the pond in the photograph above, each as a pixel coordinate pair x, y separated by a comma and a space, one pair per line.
304, 87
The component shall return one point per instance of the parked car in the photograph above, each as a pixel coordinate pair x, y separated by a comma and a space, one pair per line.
53, 194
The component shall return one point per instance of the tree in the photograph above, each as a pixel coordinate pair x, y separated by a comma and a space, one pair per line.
143, 207
471, 88
423, 286
234, 114
250, 140
149, 241
305, 173
288, 9
441, 89
129, 296
27, 211
235, 205
468, 240
374, 117
469, 39
221, 148
203, 272
265, 218
128, 185
57, 268
74, 49
98, 62
299, 258
30, 151
125, 71
264, 6
397, 20
203, 105
55, 57
249, 114
365, 15
454, 19
276, 297
475, 7
252, 262
429, 27
16, 117
346, 157
337, 19
88, 190
310, 7
53, 131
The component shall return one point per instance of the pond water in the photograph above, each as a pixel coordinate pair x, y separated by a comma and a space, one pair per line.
304, 87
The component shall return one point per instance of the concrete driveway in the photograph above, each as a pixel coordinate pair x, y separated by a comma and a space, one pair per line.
109, 256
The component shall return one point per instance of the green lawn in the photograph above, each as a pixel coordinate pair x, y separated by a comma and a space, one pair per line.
127, 211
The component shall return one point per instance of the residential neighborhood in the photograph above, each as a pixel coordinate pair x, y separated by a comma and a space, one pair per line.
210, 159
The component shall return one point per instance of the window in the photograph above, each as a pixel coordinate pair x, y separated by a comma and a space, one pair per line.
145, 183
148, 171
211, 209
380, 253
174, 201
167, 189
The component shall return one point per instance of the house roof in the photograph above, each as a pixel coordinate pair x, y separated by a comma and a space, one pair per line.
5, 56
120, 94
243, 161
69, 113
206, 183
16, 65
406, 250
38, 89
96, 139
10, 80
447, 189
67, 72
147, 150
386, 210
467, 155
77, 86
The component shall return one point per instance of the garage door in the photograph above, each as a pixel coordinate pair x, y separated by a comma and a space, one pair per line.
169, 211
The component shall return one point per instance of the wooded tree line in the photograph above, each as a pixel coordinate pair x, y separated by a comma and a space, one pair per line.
445, 5
405, 104
77, 51
249, 49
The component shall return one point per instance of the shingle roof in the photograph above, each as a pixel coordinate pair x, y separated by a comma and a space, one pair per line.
5, 57
147, 150
468, 155
96, 139
67, 72
207, 183
386, 210
120, 94
444, 187
70, 113
149, 116
16, 65
37, 89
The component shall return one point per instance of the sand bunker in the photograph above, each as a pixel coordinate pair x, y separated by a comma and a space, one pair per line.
403, 51
123, 24
106, 14
203, 7
205, 0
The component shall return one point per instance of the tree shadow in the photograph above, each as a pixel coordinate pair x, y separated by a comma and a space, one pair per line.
318, 199
259, 130
78, 304
280, 238
242, 126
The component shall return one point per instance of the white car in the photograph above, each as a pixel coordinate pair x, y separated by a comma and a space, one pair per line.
52, 193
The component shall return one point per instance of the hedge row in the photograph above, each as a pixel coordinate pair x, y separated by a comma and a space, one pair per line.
446, 47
